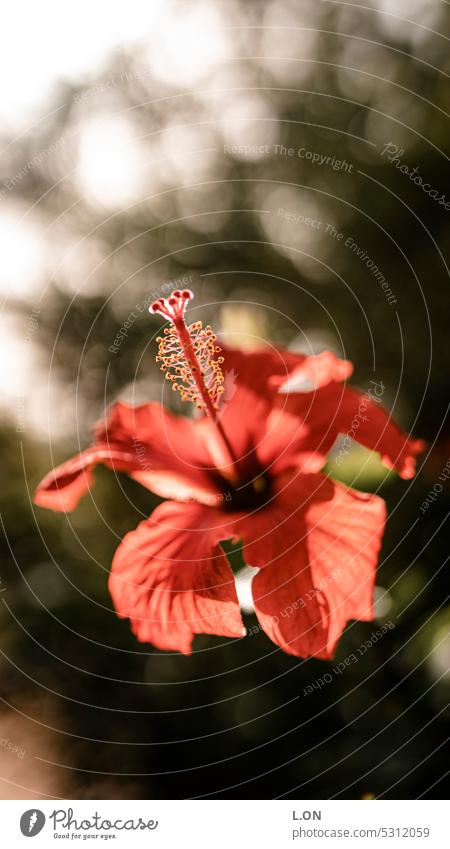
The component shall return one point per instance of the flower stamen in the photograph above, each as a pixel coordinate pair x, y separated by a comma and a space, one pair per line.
188, 357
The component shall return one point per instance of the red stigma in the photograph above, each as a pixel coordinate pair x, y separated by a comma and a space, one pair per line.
174, 307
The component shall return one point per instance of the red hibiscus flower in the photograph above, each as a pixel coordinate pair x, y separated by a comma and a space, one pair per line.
248, 469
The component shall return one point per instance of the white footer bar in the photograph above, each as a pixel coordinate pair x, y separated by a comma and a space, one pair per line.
225, 824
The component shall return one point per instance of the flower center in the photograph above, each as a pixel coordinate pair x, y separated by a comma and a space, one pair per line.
188, 356
248, 496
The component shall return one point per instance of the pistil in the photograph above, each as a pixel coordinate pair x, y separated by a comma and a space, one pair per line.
188, 356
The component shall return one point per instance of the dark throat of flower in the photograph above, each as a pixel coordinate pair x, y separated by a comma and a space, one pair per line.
189, 358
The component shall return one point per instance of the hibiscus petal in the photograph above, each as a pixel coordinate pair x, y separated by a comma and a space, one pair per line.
374, 428
165, 453
256, 368
63, 487
313, 373
244, 415
318, 546
305, 426
259, 377
171, 578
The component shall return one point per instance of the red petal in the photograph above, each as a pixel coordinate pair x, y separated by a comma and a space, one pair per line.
305, 427
258, 377
63, 487
244, 415
171, 578
379, 432
318, 545
314, 372
255, 368
164, 452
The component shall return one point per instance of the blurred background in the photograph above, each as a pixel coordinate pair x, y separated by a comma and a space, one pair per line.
261, 153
